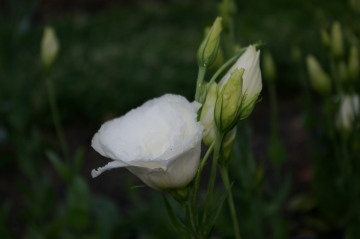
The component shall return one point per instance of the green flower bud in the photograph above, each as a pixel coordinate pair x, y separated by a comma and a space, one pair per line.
296, 54
319, 80
343, 71
228, 102
325, 38
49, 48
227, 144
348, 112
337, 45
252, 83
354, 63
269, 67
207, 115
209, 47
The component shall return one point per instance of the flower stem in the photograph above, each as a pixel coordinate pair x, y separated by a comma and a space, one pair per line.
198, 175
217, 148
199, 82
225, 177
56, 118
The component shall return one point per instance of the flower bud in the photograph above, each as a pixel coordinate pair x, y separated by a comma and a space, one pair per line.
319, 80
251, 84
343, 71
227, 144
207, 115
325, 38
49, 48
354, 63
209, 47
337, 45
349, 110
269, 67
229, 100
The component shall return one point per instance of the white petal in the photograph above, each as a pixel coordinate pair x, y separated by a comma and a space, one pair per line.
111, 165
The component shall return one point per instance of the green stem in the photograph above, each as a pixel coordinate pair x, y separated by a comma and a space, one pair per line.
273, 107
217, 149
198, 175
56, 118
190, 214
225, 177
199, 82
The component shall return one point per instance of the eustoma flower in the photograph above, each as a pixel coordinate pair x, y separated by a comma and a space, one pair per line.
160, 142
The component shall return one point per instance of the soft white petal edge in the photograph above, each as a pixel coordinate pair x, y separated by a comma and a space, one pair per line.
111, 165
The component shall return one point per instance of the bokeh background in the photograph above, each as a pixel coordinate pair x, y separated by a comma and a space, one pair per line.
115, 55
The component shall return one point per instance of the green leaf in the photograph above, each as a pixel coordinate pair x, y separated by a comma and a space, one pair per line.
78, 160
78, 204
60, 167
180, 227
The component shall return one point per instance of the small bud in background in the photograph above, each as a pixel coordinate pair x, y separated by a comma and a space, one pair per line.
227, 9
227, 144
325, 38
49, 48
354, 63
269, 67
337, 45
342, 71
349, 110
319, 80
296, 54
229, 100
207, 115
208, 49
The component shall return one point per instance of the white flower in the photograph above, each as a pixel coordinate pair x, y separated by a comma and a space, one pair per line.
349, 109
252, 83
160, 142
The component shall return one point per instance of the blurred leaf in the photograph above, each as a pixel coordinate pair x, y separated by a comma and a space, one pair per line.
302, 203
276, 150
60, 167
106, 217
78, 160
78, 204
4, 214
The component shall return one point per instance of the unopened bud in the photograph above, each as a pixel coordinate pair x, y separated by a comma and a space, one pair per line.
228, 102
207, 115
319, 80
337, 45
343, 71
49, 48
325, 38
209, 47
269, 67
354, 63
349, 111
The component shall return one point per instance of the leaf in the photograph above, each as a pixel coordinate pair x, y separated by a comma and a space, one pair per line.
78, 204
78, 160
177, 223
209, 226
60, 167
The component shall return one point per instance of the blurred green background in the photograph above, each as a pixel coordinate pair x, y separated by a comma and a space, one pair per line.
114, 55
